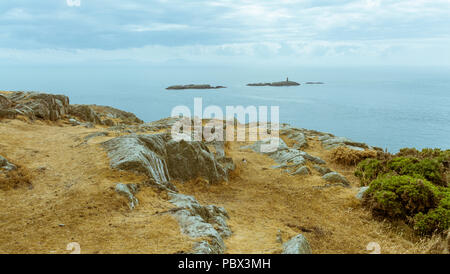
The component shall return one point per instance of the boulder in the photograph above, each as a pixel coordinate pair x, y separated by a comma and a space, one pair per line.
297, 245
322, 169
304, 170
297, 135
334, 177
330, 142
5, 103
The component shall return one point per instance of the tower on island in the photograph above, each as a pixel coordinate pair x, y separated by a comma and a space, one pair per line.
287, 79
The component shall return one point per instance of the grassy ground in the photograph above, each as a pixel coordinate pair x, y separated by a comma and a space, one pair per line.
72, 200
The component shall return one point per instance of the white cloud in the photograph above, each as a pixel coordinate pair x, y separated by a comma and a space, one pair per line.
73, 3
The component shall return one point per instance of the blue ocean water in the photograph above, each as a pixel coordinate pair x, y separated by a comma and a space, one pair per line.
388, 107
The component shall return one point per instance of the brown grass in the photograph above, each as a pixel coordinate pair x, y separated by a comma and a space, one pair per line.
76, 189
21, 177
346, 156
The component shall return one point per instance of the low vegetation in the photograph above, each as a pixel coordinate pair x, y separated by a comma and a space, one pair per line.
346, 156
411, 185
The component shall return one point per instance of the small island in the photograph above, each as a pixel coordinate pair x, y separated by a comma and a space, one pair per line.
314, 83
192, 86
275, 84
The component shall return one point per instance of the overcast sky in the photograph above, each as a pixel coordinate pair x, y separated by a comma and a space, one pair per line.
336, 32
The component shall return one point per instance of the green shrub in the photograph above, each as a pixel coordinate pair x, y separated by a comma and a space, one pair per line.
429, 169
401, 196
436, 220
368, 170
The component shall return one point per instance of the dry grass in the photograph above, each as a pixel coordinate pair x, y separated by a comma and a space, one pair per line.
21, 177
346, 156
76, 189
73, 198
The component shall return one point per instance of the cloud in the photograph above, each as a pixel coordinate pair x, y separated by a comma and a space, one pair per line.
300, 29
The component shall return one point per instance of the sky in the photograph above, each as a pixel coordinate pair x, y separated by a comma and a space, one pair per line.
319, 32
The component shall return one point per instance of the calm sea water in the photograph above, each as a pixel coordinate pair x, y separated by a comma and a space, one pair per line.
389, 107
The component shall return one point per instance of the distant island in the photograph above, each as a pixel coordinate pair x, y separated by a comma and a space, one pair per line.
191, 86
275, 84
314, 83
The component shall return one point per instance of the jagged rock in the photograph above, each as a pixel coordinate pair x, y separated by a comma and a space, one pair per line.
268, 145
163, 159
361, 192
297, 135
37, 105
6, 165
109, 113
334, 177
311, 158
330, 142
304, 170
128, 191
5, 103
199, 221
85, 113
297, 245
322, 170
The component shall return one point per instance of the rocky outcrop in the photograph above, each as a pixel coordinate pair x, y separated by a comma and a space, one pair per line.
199, 221
128, 191
163, 159
297, 245
275, 84
286, 157
34, 105
330, 142
85, 113
191, 86
5, 165
296, 135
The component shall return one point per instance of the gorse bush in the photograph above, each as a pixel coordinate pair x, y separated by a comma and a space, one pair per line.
422, 204
346, 156
412, 185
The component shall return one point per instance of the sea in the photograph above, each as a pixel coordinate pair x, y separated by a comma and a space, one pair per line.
385, 106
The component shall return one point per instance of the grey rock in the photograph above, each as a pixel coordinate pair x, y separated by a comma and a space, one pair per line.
334, 177
5, 103
333, 142
85, 113
199, 221
297, 245
74, 122
361, 192
297, 135
267, 146
36, 105
322, 170
96, 134
128, 191
6, 165
163, 159
304, 170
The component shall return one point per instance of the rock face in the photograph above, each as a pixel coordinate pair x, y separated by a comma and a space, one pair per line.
5, 165
199, 221
297, 135
85, 113
163, 159
297, 245
334, 177
34, 105
191, 86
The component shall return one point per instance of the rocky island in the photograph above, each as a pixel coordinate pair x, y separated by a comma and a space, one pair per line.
192, 86
286, 83
112, 183
314, 83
